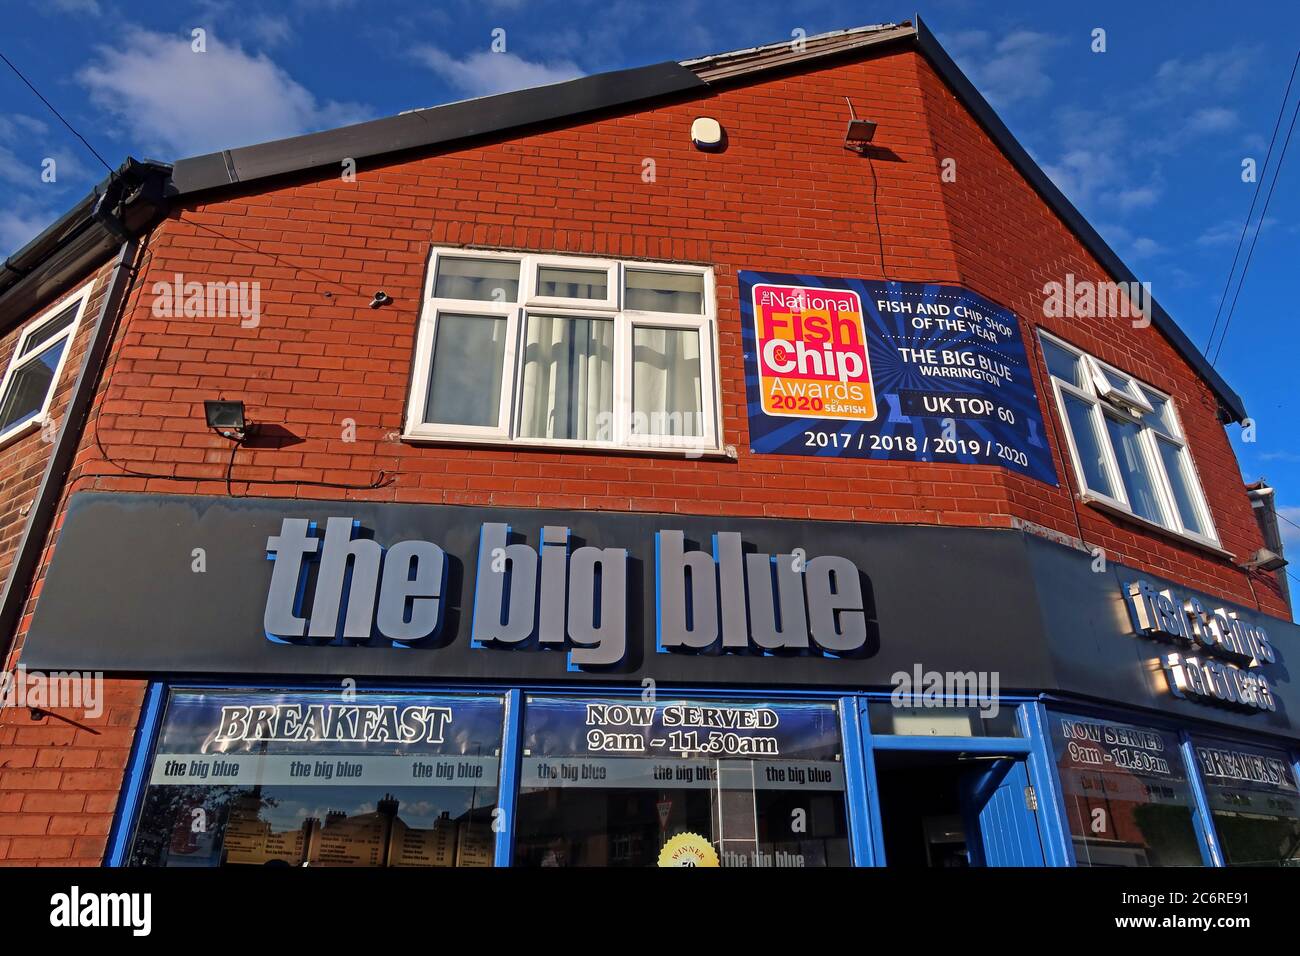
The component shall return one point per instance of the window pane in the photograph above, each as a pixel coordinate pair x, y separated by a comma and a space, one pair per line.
667, 395
610, 782
573, 283
25, 396
488, 280
1126, 794
664, 292
1177, 468
886, 718
303, 779
465, 375
1118, 382
49, 329
1256, 806
1064, 365
568, 386
1161, 416
1083, 428
1134, 470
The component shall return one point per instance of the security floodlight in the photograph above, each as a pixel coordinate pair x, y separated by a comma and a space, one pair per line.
860, 132
226, 419
1266, 560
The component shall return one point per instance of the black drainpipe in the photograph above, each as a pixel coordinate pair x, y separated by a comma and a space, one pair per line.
45, 506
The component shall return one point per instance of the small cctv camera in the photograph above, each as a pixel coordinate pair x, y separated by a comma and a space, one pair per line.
381, 298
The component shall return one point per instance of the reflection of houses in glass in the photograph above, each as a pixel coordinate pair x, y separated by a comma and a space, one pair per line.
250, 839
377, 838
1124, 818
359, 840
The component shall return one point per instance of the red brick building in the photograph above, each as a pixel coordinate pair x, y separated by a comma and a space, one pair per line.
588, 325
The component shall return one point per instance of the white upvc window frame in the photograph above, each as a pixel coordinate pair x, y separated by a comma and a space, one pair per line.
534, 264
80, 298
1130, 405
517, 312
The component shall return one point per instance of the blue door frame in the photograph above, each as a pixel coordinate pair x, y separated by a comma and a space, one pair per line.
869, 840
1032, 750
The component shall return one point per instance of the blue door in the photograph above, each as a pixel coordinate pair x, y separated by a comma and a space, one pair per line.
1000, 815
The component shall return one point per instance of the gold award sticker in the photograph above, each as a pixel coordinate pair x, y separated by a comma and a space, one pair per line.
688, 849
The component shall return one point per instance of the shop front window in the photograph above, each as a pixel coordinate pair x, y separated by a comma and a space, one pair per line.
1253, 798
1127, 797
611, 782
316, 779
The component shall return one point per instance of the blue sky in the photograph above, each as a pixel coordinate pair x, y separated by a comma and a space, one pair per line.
1146, 138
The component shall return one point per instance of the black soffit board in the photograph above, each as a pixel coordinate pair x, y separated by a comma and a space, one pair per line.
946, 599
436, 126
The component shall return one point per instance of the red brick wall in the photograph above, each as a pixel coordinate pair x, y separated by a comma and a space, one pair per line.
59, 781
784, 196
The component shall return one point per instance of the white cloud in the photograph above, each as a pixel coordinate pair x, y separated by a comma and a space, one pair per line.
1129, 245
1229, 231
269, 30
90, 7
1138, 197
1212, 119
178, 102
1214, 72
1007, 70
484, 73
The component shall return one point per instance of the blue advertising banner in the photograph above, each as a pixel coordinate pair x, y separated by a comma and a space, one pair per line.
848, 368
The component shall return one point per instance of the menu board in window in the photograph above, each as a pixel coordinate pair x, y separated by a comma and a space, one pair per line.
626, 782
322, 779
1126, 793
1253, 798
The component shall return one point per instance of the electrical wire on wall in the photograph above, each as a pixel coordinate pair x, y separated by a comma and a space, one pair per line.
130, 303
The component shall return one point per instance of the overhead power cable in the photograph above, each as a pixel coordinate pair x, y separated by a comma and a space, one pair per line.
50, 107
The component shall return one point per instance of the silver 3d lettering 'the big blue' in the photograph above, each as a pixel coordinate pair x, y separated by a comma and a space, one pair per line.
554, 596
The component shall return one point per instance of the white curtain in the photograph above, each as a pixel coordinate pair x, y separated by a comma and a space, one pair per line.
666, 388
568, 388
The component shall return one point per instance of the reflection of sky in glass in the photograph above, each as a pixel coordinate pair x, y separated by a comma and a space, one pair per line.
557, 726
28, 387
194, 717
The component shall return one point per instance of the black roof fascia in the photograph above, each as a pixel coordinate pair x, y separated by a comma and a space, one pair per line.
1092, 240
436, 126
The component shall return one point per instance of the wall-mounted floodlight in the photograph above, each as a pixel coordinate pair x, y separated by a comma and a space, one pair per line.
1266, 560
860, 132
226, 419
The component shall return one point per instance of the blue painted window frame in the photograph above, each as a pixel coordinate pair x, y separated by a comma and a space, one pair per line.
1202, 819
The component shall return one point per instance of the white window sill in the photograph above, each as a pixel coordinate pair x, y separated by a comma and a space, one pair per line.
1177, 536
20, 431
565, 447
